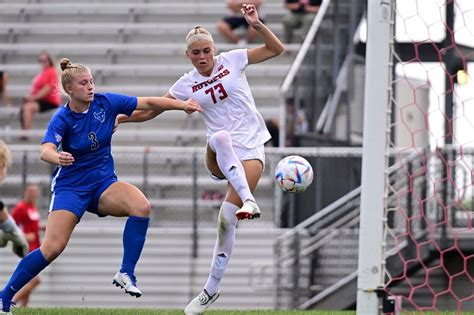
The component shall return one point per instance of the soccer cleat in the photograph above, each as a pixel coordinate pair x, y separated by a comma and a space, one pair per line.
249, 210
127, 282
5, 308
200, 303
19, 244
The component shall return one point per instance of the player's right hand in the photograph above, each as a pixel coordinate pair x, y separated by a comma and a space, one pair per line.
65, 159
118, 120
191, 106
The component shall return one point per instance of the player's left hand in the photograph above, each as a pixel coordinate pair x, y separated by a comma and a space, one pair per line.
191, 106
250, 14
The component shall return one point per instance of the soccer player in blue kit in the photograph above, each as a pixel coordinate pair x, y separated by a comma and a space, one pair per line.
78, 140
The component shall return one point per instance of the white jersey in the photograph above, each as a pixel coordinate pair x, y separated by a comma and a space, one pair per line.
226, 99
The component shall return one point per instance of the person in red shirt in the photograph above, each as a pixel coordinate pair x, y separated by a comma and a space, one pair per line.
44, 94
27, 217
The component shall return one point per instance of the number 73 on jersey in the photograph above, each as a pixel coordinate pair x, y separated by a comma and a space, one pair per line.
217, 91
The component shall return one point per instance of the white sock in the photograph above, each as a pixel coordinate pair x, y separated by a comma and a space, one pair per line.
229, 164
226, 225
9, 225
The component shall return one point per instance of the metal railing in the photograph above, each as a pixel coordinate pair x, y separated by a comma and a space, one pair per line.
313, 74
295, 67
175, 179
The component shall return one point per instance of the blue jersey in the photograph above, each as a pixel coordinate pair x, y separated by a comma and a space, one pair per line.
87, 136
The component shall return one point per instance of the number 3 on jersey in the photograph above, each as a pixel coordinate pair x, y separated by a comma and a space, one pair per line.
219, 88
93, 138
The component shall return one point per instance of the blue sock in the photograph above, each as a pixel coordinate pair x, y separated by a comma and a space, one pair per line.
134, 236
28, 268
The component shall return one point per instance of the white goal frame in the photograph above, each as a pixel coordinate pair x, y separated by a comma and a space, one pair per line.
374, 155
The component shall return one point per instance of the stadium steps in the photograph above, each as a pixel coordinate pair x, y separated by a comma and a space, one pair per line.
124, 12
133, 47
137, 47
144, 74
167, 273
169, 185
119, 53
171, 206
106, 32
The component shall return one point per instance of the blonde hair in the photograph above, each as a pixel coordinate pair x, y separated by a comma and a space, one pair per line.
5, 155
69, 70
198, 33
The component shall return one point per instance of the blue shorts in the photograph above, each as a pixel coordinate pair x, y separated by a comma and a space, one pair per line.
78, 202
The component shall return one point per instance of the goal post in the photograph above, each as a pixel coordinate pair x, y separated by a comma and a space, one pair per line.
374, 161
416, 235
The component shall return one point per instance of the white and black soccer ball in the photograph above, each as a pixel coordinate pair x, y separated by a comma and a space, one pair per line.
293, 174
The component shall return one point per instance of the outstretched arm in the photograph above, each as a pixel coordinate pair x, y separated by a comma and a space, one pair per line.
141, 115
165, 103
138, 116
271, 47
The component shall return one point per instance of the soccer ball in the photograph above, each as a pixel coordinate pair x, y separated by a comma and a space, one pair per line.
293, 174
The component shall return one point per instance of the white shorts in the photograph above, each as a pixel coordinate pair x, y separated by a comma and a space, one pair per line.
245, 154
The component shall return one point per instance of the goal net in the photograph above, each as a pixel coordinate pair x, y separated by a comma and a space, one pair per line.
428, 257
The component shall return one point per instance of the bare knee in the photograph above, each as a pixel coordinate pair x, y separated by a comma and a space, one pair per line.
141, 209
30, 106
51, 250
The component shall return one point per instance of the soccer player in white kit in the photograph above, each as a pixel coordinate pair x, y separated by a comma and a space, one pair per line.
236, 132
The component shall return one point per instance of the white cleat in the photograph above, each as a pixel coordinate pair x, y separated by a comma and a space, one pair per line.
19, 244
249, 210
200, 303
128, 283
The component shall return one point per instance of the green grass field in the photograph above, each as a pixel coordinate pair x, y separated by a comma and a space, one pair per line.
93, 311
102, 311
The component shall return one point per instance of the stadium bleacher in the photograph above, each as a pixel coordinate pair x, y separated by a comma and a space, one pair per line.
137, 47
167, 272
142, 55
133, 47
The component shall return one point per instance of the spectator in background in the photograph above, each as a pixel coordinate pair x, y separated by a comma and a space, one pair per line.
301, 14
229, 24
3, 89
44, 94
296, 124
27, 217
